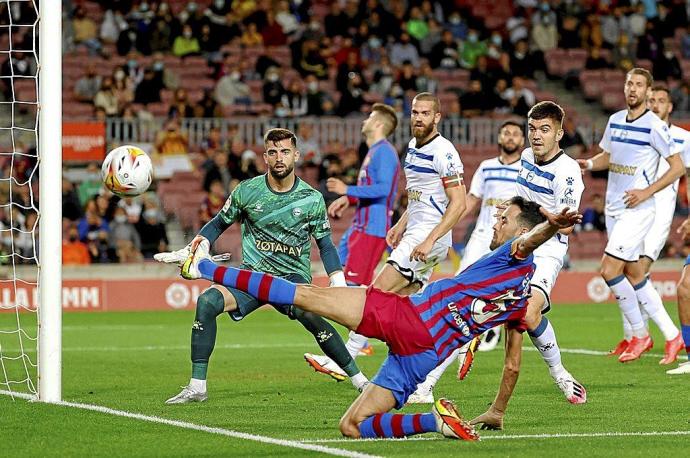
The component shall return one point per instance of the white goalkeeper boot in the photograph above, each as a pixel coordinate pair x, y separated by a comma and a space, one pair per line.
190, 268
188, 394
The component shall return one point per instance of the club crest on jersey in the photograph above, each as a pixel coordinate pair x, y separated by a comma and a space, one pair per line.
258, 207
296, 212
530, 176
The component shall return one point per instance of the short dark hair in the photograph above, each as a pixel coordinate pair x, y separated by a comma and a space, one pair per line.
278, 134
547, 110
512, 122
661, 87
529, 215
642, 72
387, 114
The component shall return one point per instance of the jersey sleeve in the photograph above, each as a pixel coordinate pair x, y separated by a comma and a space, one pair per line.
568, 187
685, 151
383, 168
449, 166
319, 225
661, 141
477, 185
233, 208
605, 142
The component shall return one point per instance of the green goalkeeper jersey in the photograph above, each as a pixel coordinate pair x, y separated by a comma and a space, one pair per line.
277, 226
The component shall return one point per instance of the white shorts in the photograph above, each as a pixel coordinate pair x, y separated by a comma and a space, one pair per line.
656, 238
546, 272
627, 232
476, 247
416, 271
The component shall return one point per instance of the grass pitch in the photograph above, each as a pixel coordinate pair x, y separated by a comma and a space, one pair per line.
259, 384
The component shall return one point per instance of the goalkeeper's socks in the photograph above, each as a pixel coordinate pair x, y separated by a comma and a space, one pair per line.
685, 329
397, 425
209, 305
197, 385
264, 287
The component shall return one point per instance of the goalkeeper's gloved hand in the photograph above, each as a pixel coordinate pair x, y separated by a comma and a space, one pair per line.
337, 279
179, 256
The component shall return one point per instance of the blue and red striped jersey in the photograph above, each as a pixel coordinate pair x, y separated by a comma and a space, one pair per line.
376, 190
492, 291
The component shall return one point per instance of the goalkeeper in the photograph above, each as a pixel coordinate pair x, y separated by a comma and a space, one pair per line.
279, 214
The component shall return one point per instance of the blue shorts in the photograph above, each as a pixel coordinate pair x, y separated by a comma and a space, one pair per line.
687, 260
402, 374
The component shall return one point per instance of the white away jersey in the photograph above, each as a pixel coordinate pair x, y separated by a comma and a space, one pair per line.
554, 185
425, 166
493, 183
635, 148
681, 145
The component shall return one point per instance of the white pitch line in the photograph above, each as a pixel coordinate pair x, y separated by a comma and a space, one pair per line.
207, 429
511, 437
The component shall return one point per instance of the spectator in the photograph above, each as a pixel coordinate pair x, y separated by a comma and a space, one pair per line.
648, 46
352, 98
637, 21
180, 106
685, 43
521, 99
330, 168
572, 142
315, 96
346, 69
286, 19
124, 239
591, 32
106, 98
517, 26
272, 33
417, 26
273, 89
570, 33
71, 206
149, 90
407, 79
207, 107
426, 81
445, 53
213, 142
472, 49
247, 166
91, 223
611, 27
295, 100
372, 51
593, 217
307, 145
88, 85
111, 27
151, 231
681, 97
473, 102
86, 31
231, 90
127, 41
335, 22
89, 187
595, 61
213, 202
218, 171
544, 33
123, 87
209, 44
481, 72
171, 140
403, 50
624, 54
165, 77
132, 207
74, 251
384, 76
432, 38
186, 44
161, 36
311, 61
251, 37
667, 65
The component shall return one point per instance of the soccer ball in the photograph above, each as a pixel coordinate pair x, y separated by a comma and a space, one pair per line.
127, 171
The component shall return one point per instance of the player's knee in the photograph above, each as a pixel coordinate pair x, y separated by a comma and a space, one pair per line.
684, 288
532, 319
210, 304
349, 427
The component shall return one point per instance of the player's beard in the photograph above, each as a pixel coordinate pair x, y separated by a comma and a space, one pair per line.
639, 102
424, 131
494, 242
280, 174
509, 150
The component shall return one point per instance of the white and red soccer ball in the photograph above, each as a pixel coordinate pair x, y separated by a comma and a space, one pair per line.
126, 171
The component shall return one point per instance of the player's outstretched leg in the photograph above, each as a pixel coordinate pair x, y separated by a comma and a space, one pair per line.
209, 305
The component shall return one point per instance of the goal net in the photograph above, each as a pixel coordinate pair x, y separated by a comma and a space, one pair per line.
26, 259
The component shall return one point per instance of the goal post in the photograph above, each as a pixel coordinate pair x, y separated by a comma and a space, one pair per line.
50, 203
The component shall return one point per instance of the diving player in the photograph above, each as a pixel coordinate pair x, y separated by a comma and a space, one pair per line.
421, 330
633, 142
279, 214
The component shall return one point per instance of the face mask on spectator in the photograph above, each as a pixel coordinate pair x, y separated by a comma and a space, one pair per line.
187, 34
132, 63
73, 238
313, 86
151, 214
496, 39
119, 75
473, 37
455, 19
144, 7
219, 3
374, 42
120, 218
281, 112
545, 7
668, 54
158, 66
272, 77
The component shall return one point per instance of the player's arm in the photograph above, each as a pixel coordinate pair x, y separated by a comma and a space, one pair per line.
321, 231
598, 162
684, 228
395, 233
382, 173
524, 245
474, 196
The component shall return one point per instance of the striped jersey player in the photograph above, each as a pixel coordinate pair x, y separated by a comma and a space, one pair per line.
422, 329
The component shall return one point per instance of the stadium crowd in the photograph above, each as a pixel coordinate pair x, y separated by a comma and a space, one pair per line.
288, 59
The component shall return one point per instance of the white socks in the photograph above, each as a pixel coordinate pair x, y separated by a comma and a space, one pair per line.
544, 338
627, 301
650, 302
355, 343
198, 385
358, 380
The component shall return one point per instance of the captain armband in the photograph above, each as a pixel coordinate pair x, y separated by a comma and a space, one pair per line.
452, 181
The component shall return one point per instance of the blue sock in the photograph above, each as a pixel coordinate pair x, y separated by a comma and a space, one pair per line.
264, 287
397, 425
685, 330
